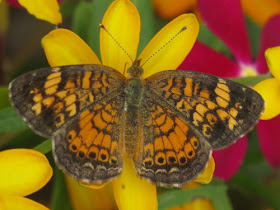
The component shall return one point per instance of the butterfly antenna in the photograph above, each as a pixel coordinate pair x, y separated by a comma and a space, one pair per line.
163, 46
103, 27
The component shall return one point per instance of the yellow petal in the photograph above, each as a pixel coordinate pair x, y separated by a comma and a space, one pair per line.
94, 186
259, 10
270, 91
23, 171
169, 9
21, 203
63, 47
207, 174
122, 21
47, 10
170, 46
196, 205
2, 204
87, 198
132, 192
272, 56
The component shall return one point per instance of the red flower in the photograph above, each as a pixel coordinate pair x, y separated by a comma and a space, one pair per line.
225, 19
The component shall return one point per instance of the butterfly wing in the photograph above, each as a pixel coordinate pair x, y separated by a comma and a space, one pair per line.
48, 99
81, 108
220, 110
171, 152
184, 116
89, 149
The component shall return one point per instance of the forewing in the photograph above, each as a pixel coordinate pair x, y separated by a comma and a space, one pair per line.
219, 110
172, 154
89, 149
49, 99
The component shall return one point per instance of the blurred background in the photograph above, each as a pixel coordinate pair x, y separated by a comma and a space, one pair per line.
250, 182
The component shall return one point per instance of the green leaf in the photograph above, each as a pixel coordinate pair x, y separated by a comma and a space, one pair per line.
82, 19
207, 37
10, 121
148, 22
217, 193
254, 32
253, 80
98, 10
87, 18
254, 155
60, 197
44, 147
4, 97
248, 181
67, 7
21, 139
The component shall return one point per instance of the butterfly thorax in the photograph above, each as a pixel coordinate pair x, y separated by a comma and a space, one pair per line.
134, 91
134, 85
135, 71
133, 100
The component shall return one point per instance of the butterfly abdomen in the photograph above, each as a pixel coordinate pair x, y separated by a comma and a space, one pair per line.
133, 99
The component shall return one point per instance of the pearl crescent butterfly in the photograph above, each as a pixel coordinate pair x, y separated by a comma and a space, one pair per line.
167, 124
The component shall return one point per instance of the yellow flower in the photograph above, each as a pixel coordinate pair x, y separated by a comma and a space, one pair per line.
270, 88
23, 172
90, 198
47, 10
122, 20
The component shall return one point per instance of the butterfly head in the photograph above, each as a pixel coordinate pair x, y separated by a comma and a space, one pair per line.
135, 71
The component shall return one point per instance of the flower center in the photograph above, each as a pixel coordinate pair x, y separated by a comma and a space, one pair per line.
248, 71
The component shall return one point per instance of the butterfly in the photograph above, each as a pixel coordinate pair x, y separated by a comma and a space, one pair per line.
167, 124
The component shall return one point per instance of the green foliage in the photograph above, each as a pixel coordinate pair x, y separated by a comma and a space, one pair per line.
60, 198
207, 37
10, 121
4, 97
86, 20
216, 192
44, 147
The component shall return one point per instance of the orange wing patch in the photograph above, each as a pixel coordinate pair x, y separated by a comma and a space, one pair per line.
170, 147
173, 143
53, 102
57, 95
88, 149
92, 140
204, 106
219, 110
